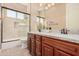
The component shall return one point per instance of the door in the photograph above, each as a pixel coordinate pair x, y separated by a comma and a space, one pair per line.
47, 50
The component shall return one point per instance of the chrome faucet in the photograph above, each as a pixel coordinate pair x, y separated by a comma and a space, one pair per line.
64, 31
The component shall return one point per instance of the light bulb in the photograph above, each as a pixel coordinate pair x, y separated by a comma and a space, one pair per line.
46, 7
52, 4
49, 5
40, 4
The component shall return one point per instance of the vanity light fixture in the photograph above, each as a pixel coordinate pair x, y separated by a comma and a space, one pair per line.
52, 4
49, 5
40, 4
46, 7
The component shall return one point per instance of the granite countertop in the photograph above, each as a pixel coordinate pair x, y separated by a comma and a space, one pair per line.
68, 37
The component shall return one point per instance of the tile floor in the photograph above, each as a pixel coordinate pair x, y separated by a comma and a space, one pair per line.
16, 51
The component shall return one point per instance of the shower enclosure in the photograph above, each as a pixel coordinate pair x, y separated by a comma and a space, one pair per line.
15, 25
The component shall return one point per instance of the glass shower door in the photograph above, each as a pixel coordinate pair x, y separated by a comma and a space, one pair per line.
15, 25
22, 25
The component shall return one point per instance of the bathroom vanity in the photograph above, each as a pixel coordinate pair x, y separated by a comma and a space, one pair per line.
48, 44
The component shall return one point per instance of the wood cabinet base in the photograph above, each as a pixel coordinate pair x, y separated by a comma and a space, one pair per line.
46, 46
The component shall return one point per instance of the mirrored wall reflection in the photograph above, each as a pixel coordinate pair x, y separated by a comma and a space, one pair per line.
41, 24
36, 23
54, 15
15, 24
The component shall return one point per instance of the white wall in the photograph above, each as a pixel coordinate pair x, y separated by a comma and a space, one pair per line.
72, 17
15, 6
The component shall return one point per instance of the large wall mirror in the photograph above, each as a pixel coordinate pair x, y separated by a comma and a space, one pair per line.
57, 16
51, 16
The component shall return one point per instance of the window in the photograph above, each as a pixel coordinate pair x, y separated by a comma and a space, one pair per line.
11, 13
20, 15
17, 15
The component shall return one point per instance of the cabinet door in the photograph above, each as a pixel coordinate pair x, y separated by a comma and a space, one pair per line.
33, 50
47, 50
60, 53
38, 48
29, 42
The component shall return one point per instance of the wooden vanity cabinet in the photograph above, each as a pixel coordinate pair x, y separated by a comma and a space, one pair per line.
34, 44
46, 46
64, 47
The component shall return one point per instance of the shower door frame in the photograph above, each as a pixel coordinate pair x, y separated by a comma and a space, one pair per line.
2, 22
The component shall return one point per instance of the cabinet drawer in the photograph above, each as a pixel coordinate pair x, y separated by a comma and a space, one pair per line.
47, 40
65, 46
38, 37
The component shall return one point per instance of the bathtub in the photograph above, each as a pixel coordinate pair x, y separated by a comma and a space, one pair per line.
19, 42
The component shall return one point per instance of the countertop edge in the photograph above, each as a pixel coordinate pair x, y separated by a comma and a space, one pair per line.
56, 37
